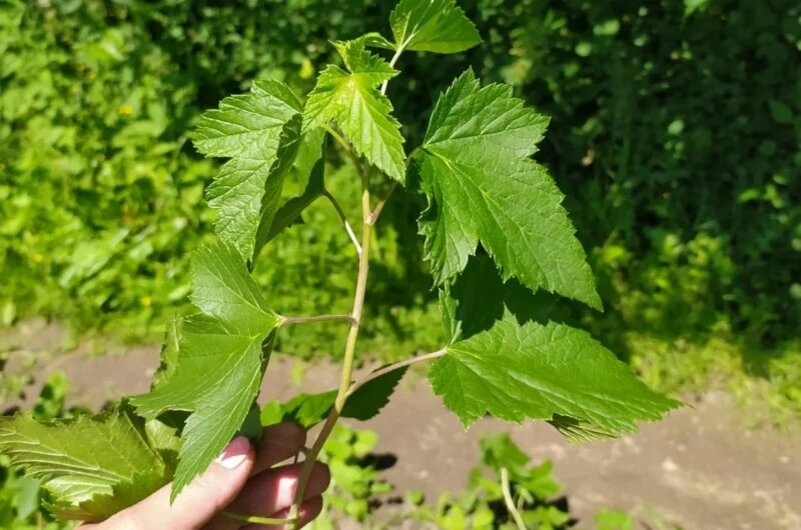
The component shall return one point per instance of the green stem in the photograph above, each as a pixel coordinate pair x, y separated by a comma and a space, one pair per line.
380, 205
507, 498
308, 320
392, 62
347, 363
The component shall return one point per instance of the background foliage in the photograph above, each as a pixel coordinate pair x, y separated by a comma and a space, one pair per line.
675, 136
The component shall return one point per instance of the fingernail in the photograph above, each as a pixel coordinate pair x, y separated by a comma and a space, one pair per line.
235, 453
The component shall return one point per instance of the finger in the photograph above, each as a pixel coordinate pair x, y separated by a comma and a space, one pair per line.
278, 443
308, 511
272, 491
199, 502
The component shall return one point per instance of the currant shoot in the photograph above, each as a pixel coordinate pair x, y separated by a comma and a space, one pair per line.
496, 240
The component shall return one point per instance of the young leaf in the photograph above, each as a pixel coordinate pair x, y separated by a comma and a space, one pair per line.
376, 40
220, 360
350, 100
543, 372
438, 26
85, 479
260, 132
482, 187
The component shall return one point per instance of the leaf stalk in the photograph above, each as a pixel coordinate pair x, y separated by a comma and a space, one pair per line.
395, 366
392, 62
345, 222
285, 320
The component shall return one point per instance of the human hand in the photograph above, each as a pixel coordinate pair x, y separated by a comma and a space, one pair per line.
240, 481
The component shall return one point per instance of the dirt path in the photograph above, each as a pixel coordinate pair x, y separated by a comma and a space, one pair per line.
698, 468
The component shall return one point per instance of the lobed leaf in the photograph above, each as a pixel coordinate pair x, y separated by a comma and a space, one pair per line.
220, 362
438, 26
548, 372
350, 100
261, 133
482, 187
92, 467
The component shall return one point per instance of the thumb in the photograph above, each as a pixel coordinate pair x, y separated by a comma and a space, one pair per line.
201, 500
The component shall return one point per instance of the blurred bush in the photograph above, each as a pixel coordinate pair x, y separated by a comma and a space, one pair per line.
675, 136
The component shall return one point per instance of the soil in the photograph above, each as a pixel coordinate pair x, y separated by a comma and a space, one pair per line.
699, 468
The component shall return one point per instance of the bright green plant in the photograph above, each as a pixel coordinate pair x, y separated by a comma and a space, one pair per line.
507, 492
495, 233
21, 497
354, 483
504, 492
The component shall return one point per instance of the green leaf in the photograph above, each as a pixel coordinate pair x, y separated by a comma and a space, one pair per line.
27, 496
580, 430
368, 400
543, 372
307, 410
500, 451
350, 100
438, 26
780, 111
482, 187
220, 362
310, 166
376, 40
480, 297
164, 436
260, 132
84, 478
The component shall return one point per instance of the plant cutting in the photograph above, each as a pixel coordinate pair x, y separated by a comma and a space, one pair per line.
496, 239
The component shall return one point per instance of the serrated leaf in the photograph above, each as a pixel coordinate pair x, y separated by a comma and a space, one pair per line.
220, 360
350, 99
368, 400
310, 168
543, 372
438, 26
85, 478
307, 410
288, 148
479, 297
482, 187
578, 430
260, 132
